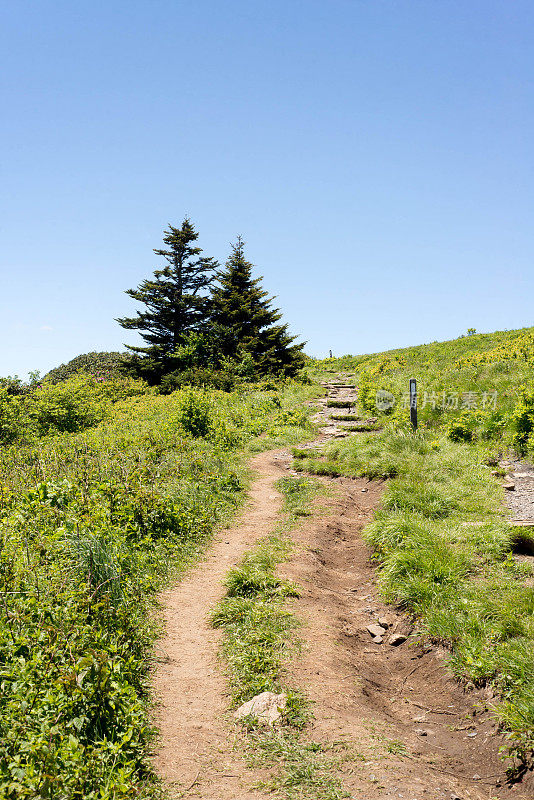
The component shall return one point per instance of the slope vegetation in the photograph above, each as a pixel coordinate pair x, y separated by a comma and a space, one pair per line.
443, 539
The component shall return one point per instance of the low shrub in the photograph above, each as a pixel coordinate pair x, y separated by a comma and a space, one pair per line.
195, 413
97, 365
92, 522
523, 419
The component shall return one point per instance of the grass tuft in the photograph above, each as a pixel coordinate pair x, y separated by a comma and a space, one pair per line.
448, 556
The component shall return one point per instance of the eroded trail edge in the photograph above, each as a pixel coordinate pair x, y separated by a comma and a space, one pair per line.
190, 691
401, 726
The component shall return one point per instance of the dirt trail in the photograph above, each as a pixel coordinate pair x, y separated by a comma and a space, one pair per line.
195, 750
411, 731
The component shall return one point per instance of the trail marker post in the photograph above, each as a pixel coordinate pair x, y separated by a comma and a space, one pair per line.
413, 403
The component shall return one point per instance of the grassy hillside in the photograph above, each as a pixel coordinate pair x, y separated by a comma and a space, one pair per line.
442, 536
480, 387
106, 489
442, 353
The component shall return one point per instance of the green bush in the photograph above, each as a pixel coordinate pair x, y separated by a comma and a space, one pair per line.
195, 413
459, 431
367, 395
71, 405
98, 365
523, 418
92, 523
11, 416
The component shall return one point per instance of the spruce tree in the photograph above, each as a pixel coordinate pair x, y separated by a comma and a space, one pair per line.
176, 299
245, 323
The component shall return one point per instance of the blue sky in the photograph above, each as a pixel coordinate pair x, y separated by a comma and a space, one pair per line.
376, 156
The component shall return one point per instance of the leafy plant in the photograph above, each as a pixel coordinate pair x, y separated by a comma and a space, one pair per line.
523, 418
194, 414
93, 521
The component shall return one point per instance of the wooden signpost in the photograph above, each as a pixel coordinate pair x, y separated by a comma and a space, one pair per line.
413, 403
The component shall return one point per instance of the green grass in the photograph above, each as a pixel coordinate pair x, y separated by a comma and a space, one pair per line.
478, 388
443, 544
258, 643
445, 552
361, 428
305, 769
340, 403
92, 524
257, 626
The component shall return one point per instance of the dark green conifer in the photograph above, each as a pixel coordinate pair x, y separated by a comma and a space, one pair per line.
245, 323
176, 299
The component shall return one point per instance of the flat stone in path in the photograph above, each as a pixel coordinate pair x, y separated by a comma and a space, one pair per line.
266, 707
376, 630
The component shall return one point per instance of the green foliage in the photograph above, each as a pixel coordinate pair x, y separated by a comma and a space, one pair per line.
201, 334
339, 403
475, 388
446, 557
13, 385
11, 416
70, 405
194, 414
256, 626
78, 402
306, 769
367, 395
245, 324
523, 418
446, 553
99, 365
177, 304
459, 430
92, 522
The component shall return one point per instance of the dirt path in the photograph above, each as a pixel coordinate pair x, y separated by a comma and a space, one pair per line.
195, 751
520, 497
410, 730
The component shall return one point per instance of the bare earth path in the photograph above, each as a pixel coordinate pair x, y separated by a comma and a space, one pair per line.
411, 731
195, 750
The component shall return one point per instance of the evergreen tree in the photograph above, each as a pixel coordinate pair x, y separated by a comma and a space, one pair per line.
176, 299
244, 322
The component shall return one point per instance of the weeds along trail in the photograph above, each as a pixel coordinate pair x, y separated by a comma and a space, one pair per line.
189, 687
387, 717
96, 517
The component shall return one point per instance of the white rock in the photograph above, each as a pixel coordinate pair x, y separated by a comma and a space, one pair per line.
376, 630
267, 707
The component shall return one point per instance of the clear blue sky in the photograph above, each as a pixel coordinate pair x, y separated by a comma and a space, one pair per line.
376, 155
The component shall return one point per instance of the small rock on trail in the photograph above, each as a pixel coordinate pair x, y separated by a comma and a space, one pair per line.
266, 707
